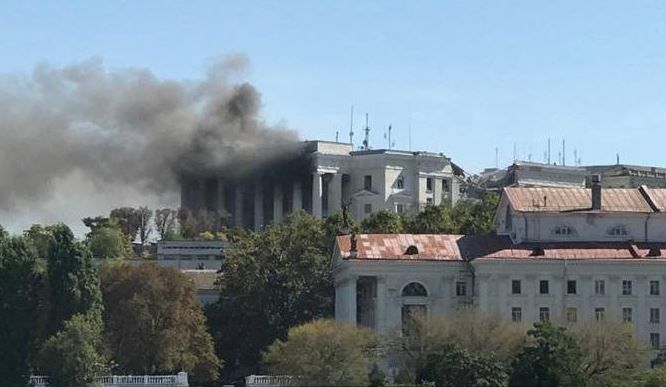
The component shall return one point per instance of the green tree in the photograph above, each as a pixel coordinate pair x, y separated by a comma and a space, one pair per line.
145, 228
466, 217
655, 377
194, 223
41, 237
339, 223
553, 359
323, 353
74, 356
382, 222
95, 223
154, 323
3, 233
20, 289
432, 220
128, 220
272, 281
454, 366
108, 242
73, 285
611, 351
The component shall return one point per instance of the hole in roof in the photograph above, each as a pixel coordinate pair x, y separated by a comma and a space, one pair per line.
538, 251
412, 250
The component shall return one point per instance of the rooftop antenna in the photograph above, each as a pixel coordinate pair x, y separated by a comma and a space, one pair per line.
351, 127
496, 157
548, 150
389, 139
564, 154
514, 152
617, 156
575, 156
337, 136
366, 142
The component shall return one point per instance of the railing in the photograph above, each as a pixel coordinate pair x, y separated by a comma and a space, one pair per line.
269, 381
179, 380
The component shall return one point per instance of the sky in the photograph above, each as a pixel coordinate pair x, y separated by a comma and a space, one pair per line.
468, 77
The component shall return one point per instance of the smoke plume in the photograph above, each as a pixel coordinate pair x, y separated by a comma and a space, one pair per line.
86, 135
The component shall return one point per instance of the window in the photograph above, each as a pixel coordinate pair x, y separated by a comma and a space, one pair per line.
544, 314
626, 288
429, 184
599, 314
572, 314
627, 315
515, 287
654, 340
571, 287
414, 289
563, 231
461, 288
516, 314
367, 183
654, 288
654, 315
410, 315
618, 230
543, 286
400, 208
445, 186
367, 208
400, 183
599, 287
428, 201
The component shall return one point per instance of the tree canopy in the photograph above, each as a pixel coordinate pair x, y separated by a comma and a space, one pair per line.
108, 242
453, 366
465, 217
323, 353
154, 323
271, 281
382, 222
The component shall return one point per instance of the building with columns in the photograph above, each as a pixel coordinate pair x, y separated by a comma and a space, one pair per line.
562, 254
321, 179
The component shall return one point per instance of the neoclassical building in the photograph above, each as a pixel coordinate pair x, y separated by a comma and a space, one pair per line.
564, 254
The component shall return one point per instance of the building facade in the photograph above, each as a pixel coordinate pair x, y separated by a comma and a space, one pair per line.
585, 254
325, 177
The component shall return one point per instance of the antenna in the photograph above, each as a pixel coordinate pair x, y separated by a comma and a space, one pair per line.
390, 128
496, 157
575, 156
366, 142
548, 150
351, 127
564, 154
514, 152
617, 155
337, 136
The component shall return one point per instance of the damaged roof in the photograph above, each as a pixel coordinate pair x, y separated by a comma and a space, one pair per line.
444, 247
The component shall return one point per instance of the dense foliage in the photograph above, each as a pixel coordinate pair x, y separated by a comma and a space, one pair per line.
323, 353
154, 323
454, 366
271, 281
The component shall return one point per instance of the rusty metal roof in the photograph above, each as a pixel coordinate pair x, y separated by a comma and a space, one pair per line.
657, 196
543, 199
442, 247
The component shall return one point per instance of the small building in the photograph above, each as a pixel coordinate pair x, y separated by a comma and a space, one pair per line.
191, 254
562, 254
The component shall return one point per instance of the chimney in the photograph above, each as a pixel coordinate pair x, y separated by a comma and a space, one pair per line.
596, 192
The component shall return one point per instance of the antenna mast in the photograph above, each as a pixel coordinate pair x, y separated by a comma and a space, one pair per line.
548, 150
337, 136
351, 127
389, 133
564, 153
366, 142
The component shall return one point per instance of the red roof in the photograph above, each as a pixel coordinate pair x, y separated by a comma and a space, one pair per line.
442, 247
543, 199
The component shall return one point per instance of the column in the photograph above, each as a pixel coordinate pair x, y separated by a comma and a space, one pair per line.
277, 203
335, 194
316, 195
258, 206
345, 301
238, 206
221, 200
436, 191
297, 200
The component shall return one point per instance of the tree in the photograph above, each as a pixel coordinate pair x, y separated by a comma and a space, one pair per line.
73, 285
20, 289
454, 366
323, 353
611, 352
129, 221
192, 224
553, 359
145, 229
165, 222
655, 377
432, 220
271, 282
154, 323
466, 217
95, 223
338, 223
3, 233
41, 238
74, 356
108, 242
382, 222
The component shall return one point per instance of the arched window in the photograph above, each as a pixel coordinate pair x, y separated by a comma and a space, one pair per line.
619, 230
412, 250
414, 289
564, 231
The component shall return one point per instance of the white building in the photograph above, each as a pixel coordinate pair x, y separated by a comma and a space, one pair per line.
325, 177
566, 254
191, 254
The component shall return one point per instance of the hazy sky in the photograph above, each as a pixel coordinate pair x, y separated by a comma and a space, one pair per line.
472, 75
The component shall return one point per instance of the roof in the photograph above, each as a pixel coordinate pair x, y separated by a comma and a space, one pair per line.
444, 247
546, 199
658, 198
203, 279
